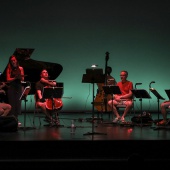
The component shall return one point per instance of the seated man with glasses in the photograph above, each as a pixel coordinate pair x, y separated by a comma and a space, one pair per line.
126, 97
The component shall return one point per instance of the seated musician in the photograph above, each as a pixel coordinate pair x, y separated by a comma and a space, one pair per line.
40, 101
165, 106
126, 97
4, 107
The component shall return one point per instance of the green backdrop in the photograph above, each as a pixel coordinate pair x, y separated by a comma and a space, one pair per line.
77, 34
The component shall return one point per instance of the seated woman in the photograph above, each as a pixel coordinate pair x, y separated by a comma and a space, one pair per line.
4, 107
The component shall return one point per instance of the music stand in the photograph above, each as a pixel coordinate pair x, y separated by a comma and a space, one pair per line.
111, 90
141, 94
158, 98
51, 93
93, 76
23, 97
168, 93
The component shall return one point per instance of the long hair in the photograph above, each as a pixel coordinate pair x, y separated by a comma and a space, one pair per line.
10, 66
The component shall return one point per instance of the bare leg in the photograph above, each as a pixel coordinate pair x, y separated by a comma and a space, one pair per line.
5, 109
44, 110
164, 106
128, 107
112, 104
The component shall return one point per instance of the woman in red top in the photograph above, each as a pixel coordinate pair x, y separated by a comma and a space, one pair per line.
14, 77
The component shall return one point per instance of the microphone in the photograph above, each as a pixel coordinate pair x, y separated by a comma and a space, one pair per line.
137, 84
151, 83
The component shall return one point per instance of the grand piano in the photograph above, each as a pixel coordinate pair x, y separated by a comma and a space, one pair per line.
32, 68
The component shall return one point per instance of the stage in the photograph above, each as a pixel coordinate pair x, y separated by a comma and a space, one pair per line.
99, 142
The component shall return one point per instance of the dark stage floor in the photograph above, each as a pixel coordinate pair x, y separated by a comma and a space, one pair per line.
86, 130
93, 142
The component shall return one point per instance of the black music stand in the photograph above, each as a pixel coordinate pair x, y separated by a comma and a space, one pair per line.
24, 97
90, 74
168, 93
111, 90
158, 96
93, 76
51, 93
141, 94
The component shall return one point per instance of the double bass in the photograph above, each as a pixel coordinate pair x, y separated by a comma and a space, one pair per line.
101, 97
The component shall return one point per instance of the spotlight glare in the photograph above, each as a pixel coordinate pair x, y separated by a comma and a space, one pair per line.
94, 65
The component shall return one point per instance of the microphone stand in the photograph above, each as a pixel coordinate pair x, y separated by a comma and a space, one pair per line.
158, 98
137, 84
133, 99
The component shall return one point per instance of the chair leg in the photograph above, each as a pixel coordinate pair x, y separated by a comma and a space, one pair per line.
39, 121
36, 114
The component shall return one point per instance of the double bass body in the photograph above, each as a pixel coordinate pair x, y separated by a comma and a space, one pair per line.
100, 101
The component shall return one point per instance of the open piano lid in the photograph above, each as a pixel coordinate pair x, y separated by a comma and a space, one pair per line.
32, 68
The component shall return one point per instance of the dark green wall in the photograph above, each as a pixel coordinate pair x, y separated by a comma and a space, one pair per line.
77, 34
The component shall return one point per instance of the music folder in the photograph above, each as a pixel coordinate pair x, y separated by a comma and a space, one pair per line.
156, 94
93, 76
52, 92
141, 93
111, 89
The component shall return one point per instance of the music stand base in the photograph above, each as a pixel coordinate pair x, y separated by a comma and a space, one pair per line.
53, 125
161, 127
94, 133
93, 119
26, 128
108, 122
143, 124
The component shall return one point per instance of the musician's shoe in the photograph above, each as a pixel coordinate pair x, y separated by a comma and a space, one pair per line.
51, 123
57, 122
116, 120
162, 123
122, 120
47, 119
19, 124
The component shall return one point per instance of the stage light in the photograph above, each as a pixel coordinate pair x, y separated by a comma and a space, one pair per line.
94, 65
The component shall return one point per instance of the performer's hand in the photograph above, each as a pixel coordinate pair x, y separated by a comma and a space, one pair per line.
2, 92
117, 98
18, 77
53, 83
